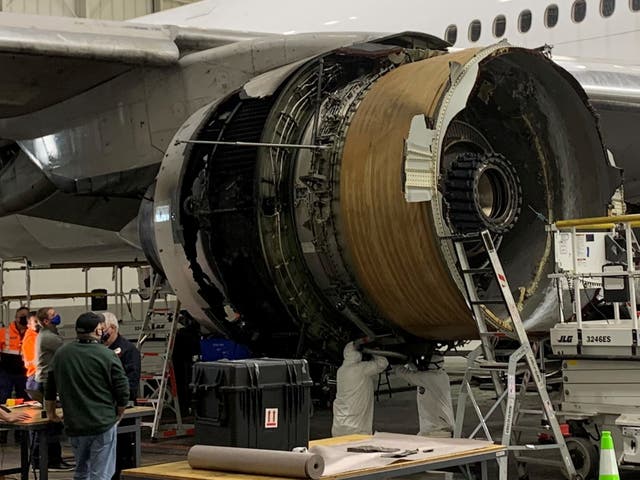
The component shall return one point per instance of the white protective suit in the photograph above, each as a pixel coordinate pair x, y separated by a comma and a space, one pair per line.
435, 408
355, 384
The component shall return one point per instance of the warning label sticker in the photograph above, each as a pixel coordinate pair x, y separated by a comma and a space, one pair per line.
270, 418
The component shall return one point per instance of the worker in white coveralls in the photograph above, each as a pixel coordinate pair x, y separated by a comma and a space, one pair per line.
435, 408
355, 383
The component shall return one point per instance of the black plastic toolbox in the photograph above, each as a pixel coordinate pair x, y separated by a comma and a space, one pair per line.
253, 403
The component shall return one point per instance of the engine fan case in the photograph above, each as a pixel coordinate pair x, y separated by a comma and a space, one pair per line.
396, 247
394, 244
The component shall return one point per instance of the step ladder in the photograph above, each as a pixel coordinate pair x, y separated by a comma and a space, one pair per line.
522, 363
157, 382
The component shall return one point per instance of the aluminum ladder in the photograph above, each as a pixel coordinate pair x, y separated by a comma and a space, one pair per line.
522, 362
158, 387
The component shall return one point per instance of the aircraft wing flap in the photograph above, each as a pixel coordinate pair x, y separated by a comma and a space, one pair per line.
122, 42
46, 60
114, 41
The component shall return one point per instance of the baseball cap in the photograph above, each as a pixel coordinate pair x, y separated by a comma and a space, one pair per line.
87, 322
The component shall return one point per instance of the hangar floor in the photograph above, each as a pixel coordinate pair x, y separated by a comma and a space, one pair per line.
396, 414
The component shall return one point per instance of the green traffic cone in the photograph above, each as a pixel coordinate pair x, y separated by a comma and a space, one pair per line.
608, 462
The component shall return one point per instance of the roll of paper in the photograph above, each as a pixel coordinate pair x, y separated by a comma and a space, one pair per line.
260, 462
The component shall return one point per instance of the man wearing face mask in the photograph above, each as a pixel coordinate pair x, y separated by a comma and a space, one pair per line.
125, 350
47, 343
129, 356
49, 340
94, 392
12, 372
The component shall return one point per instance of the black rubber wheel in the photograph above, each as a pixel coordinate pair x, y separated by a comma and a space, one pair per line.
585, 458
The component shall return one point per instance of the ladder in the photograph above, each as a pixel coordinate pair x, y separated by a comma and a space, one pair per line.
157, 383
522, 362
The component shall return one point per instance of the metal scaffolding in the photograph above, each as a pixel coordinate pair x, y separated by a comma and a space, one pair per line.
9, 302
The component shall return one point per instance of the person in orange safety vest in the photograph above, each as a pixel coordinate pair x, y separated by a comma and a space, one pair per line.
12, 371
29, 354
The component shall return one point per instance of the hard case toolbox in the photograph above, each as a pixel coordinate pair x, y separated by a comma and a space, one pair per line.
253, 403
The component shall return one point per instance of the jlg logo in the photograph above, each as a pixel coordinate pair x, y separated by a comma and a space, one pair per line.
565, 339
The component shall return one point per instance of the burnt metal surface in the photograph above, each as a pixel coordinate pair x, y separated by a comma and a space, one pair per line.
393, 245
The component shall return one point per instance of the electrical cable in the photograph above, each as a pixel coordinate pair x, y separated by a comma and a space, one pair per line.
598, 435
591, 301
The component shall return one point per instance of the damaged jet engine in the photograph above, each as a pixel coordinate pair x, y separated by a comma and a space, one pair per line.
280, 214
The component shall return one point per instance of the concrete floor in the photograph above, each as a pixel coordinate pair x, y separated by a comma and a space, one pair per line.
396, 414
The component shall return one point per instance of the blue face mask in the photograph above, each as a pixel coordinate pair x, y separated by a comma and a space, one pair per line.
56, 320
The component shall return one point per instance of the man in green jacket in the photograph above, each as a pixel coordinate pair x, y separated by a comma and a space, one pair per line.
94, 391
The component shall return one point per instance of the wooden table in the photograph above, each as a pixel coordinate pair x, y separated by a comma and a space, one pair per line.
129, 423
182, 470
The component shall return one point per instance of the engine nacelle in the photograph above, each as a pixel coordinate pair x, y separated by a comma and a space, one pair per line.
292, 230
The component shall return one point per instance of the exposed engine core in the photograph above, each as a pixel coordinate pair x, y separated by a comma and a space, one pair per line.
482, 191
309, 237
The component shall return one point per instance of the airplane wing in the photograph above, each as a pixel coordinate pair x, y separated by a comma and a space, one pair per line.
604, 82
614, 91
45, 60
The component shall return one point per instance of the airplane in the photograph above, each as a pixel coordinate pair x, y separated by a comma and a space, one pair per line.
208, 137
595, 40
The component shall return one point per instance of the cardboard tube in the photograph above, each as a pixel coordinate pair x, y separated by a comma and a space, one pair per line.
260, 462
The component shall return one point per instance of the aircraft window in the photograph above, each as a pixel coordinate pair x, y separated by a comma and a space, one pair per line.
635, 5
524, 21
500, 25
451, 34
551, 16
579, 10
475, 29
607, 7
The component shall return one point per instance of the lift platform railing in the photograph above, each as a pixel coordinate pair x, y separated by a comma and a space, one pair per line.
577, 278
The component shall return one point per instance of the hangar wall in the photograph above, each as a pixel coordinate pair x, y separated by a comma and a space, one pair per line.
102, 9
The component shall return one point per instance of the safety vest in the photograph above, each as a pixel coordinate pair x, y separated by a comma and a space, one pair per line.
29, 351
10, 339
